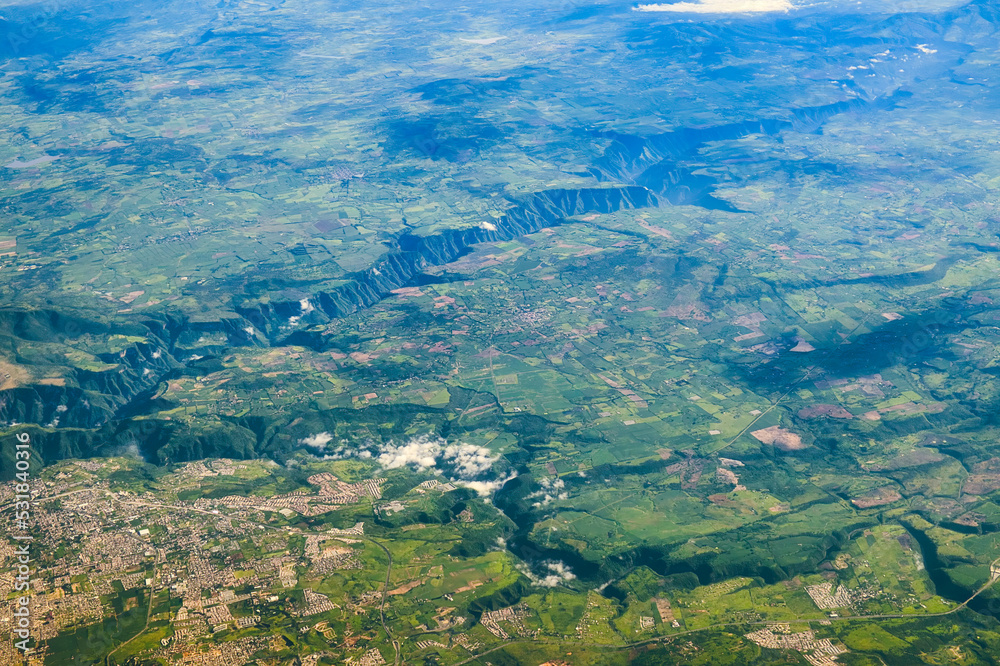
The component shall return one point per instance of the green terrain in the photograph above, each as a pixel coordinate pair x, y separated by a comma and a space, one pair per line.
503, 334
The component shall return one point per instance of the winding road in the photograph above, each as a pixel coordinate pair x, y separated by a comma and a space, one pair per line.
994, 577
397, 648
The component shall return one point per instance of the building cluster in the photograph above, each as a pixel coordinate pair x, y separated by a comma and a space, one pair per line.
817, 651
59, 609
332, 494
208, 468
233, 653
388, 508
466, 642
512, 615
328, 554
434, 484
826, 598
341, 492
315, 604
114, 543
371, 658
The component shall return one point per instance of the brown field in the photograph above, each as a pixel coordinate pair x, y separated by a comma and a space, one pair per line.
876, 497
12, 376
786, 440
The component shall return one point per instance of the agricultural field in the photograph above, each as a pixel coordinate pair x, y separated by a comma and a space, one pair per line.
561, 333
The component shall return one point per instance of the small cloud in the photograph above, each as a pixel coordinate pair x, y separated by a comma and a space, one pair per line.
420, 453
482, 41
484, 488
720, 7
470, 460
552, 490
467, 461
463, 463
317, 441
555, 573
129, 448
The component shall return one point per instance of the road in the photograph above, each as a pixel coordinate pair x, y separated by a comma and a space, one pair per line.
628, 646
149, 615
381, 607
994, 577
291, 530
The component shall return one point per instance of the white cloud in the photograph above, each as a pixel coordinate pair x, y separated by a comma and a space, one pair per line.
557, 574
549, 499
561, 570
720, 7
545, 501
317, 441
128, 449
420, 453
469, 460
306, 306
485, 488
464, 463
552, 490
482, 41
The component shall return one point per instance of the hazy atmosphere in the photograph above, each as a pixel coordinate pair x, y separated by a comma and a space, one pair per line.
516, 334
